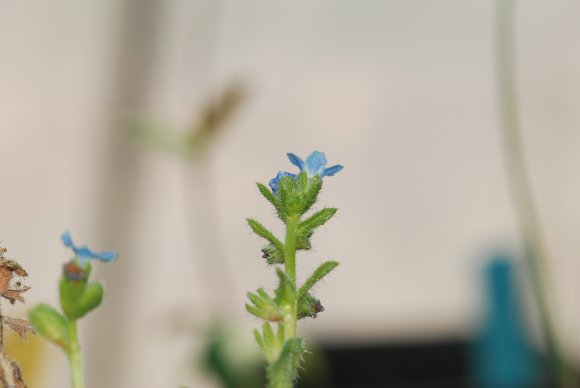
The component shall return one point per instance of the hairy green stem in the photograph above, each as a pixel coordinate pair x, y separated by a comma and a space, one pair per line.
520, 185
291, 315
74, 355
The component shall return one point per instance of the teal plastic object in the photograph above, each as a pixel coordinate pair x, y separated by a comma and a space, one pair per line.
502, 355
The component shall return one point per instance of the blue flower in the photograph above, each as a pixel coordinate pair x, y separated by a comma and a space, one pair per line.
314, 165
84, 254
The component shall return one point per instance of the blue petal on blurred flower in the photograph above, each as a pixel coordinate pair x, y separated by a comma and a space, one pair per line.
84, 253
314, 165
275, 182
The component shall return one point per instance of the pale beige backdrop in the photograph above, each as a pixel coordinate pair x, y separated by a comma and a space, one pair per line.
399, 92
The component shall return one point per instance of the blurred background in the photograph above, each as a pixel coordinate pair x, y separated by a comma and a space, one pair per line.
402, 93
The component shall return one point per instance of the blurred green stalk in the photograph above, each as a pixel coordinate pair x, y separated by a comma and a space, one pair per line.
73, 352
526, 211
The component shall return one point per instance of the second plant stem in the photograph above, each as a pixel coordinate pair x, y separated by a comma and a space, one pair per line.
74, 355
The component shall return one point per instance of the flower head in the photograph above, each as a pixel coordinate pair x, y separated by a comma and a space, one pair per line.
315, 164
84, 254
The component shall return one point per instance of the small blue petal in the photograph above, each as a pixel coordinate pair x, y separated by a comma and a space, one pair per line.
330, 171
295, 160
84, 253
106, 256
67, 240
315, 163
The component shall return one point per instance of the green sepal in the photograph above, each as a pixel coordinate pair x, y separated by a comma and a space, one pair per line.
263, 306
286, 291
77, 298
285, 368
261, 231
274, 200
272, 254
310, 192
290, 195
270, 343
319, 273
317, 219
50, 324
260, 341
309, 306
297, 195
303, 241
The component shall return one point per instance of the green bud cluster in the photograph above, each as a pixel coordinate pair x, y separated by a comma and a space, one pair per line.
283, 350
78, 297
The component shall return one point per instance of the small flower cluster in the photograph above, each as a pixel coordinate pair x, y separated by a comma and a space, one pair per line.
292, 195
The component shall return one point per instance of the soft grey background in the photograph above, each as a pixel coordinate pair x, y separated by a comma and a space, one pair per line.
401, 93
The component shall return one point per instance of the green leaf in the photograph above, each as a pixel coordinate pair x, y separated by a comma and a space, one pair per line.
311, 193
273, 200
271, 345
77, 298
286, 291
50, 324
259, 340
264, 307
285, 369
317, 219
303, 241
319, 273
159, 136
269, 337
261, 231
309, 306
272, 254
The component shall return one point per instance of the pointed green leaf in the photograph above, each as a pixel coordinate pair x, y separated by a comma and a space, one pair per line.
311, 193
77, 299
319, 273
259, 340
269, 337
280, 336
317, 219
285, 369
264, 307
309, 306
286, 291
261, 231
275, 201
272, 254
50, 324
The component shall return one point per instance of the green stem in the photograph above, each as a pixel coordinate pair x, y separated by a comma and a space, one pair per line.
290, 316
526, 210
74, 355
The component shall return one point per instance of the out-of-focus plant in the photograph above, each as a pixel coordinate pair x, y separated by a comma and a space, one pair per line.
193, 146
78, 297
11, 287
292, 196
194, 141
524, 202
